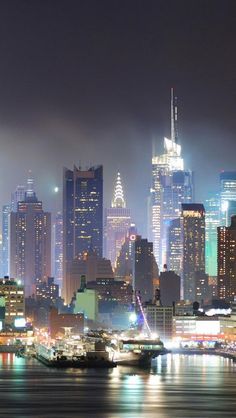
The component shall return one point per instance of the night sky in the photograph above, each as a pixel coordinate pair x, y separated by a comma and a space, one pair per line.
88, 82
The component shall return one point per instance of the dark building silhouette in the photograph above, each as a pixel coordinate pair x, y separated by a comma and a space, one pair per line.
169, 287
143, 268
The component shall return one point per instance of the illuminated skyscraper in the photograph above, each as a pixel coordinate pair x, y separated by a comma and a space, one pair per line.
82, 215
117, 223
175, 246
17, 196
227, 194
193, 216
227, 261
212, 207
6, 209
58, 248
171, 186
30, 241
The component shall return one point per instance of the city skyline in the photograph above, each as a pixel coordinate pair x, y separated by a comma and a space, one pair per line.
55, 101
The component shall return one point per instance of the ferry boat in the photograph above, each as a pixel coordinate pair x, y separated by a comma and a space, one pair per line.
61, 357
138, 352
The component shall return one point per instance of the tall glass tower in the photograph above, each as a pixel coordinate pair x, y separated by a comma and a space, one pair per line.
172, 185
212, 220
227, 195
82, 215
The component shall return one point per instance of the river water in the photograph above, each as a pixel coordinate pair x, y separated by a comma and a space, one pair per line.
176, 386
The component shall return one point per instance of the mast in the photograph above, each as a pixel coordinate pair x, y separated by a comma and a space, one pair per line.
174, 116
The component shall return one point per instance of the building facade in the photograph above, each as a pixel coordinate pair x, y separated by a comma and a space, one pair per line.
193, 216
226, 254
172, 185
30, 242
227, 194
212, 207
117, 223
6, 210
12, 291
82, 215
58, 248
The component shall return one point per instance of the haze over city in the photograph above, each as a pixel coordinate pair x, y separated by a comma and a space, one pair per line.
117, 208
89, 82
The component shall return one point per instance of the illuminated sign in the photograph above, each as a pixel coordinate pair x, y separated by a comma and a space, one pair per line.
208, 327
19, 322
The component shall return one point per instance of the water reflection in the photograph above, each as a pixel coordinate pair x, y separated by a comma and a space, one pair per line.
176, 386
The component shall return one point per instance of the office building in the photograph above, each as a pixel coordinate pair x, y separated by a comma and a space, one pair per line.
47, 290
175, 246
30, 241
92, 266
17, 196
12, 291
125, 261
227, 194
169, 287
112, 291
82, 215
160, 320
212, 218
202, 289
6, 209
59, 322
117, 223
226, 254
172, 185
143, 274
86, 301
193, 216
58, 248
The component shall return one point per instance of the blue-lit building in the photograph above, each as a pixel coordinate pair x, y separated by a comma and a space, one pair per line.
82, 215
172, 185
227, 195
212, 219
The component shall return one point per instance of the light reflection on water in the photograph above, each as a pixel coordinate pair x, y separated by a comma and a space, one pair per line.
176, 386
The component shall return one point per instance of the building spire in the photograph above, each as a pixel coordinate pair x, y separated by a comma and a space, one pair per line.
30, 193
118, 200
174, 116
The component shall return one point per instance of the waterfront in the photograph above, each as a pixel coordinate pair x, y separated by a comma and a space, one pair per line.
177, 386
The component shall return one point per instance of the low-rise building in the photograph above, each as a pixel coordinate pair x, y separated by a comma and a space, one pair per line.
160, 320
12, 299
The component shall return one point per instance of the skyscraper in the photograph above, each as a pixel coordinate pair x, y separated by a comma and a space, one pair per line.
117, 223
17, 196
82, 215
58, 248
172, 185
143, 268
6, 209
30, 241
226, 254
175, 246
193, 246
212, 207
227, 194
